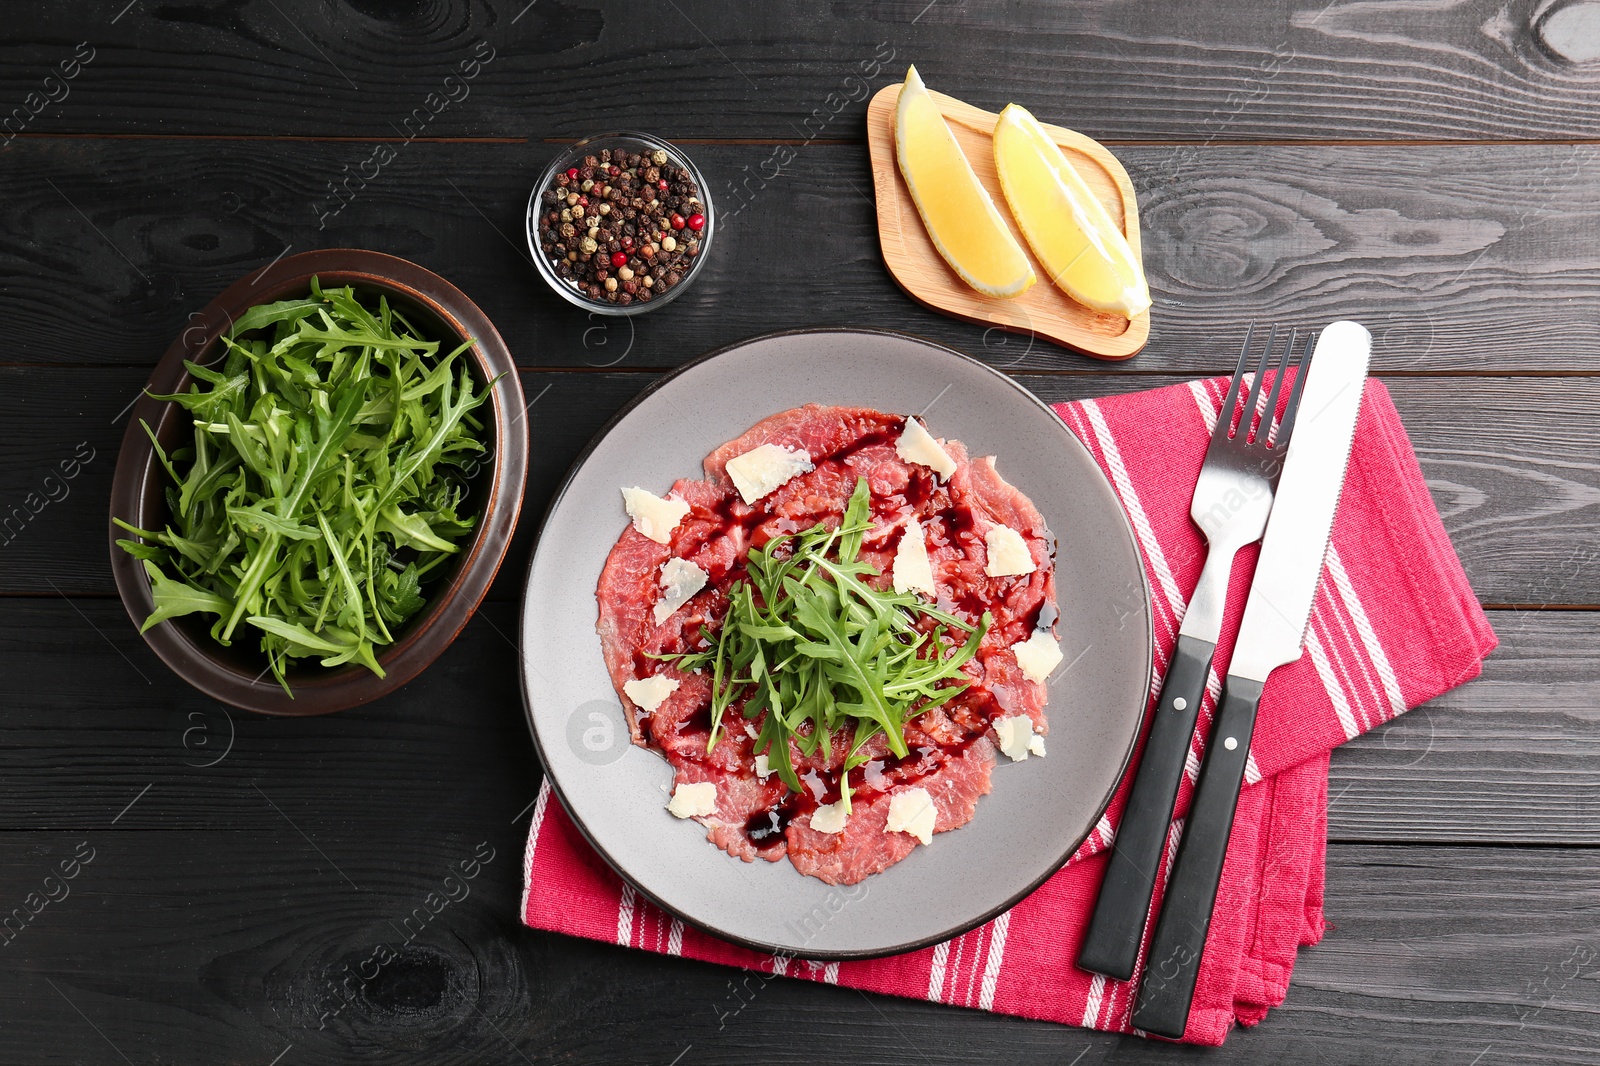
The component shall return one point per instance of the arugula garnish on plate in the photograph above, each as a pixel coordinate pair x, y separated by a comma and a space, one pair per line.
809, 642
331, 455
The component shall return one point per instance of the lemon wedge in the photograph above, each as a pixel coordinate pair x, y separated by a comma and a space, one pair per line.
1083, 251
961, 218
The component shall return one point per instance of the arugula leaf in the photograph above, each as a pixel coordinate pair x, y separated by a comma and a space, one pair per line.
333, 451
175, 598
808, 643
411, 530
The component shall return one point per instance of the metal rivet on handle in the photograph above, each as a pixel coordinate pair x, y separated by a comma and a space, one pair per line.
1179, 704
1230, 743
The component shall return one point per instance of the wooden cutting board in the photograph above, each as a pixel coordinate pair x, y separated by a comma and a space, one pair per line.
1044, 310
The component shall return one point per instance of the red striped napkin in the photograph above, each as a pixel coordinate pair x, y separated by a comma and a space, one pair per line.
1395, 624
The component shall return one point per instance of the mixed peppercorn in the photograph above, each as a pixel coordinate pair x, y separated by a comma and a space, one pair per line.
624, 227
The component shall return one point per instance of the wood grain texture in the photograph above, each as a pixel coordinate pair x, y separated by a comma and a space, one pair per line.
234, 946
1516, 753
1381, 69
1043, 311
244, 867
1458, 259
1513, 758
1518, 494
105, 718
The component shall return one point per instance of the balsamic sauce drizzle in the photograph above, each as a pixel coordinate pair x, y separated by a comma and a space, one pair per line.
951, 521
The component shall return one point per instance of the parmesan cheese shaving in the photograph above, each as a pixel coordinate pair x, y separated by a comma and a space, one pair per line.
912, 571
1008, 553
1016, 737
649, 692
1038, 655
830, 817
762, 470
681, 579
653, 516
912, 811
916, 445
697, 800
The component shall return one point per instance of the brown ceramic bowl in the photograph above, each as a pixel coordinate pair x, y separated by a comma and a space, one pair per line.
234, 674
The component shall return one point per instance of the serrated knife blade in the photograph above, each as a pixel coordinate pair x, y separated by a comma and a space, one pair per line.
1272, 632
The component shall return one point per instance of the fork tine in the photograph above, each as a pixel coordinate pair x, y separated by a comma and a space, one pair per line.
1224, 427
1293, 406
1269, 414
1247, 419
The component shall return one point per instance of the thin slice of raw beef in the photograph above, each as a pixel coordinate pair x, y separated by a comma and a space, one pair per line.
951, 748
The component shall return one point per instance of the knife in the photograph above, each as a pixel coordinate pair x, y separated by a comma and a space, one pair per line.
1231, 502
1271, 634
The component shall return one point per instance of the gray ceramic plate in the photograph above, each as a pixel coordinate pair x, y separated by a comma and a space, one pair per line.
1040, 809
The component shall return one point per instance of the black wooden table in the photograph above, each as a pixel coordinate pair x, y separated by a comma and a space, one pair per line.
1429, 169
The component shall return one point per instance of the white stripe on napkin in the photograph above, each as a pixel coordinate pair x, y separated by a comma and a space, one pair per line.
625, 916
978, 936
1208, 707
991, 968
941, 956
1103, 830
539, 804
1369, 638
1330, 681
1355, 679
1136, 513
955, 968
1209, 407
1091, 1006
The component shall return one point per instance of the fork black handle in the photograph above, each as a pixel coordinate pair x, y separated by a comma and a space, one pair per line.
1116, 929
1167, 991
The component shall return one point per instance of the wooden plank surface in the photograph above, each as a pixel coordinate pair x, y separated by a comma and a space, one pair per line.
236, 946
1432, 170
1513, 759
1169, 70
1517, 493
1477, 259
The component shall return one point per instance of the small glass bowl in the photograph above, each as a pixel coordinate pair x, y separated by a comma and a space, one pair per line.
625, 141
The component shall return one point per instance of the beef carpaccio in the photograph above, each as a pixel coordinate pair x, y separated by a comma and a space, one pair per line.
988, 550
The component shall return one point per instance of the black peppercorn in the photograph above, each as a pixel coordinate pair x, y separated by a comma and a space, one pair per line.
630, 202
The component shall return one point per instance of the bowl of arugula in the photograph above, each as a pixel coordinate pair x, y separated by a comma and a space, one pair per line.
319, 483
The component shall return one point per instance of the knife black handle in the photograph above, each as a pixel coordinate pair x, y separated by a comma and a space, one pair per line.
1174, 963
1116, 930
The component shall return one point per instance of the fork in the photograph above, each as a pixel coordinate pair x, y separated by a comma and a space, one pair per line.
1232, 499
